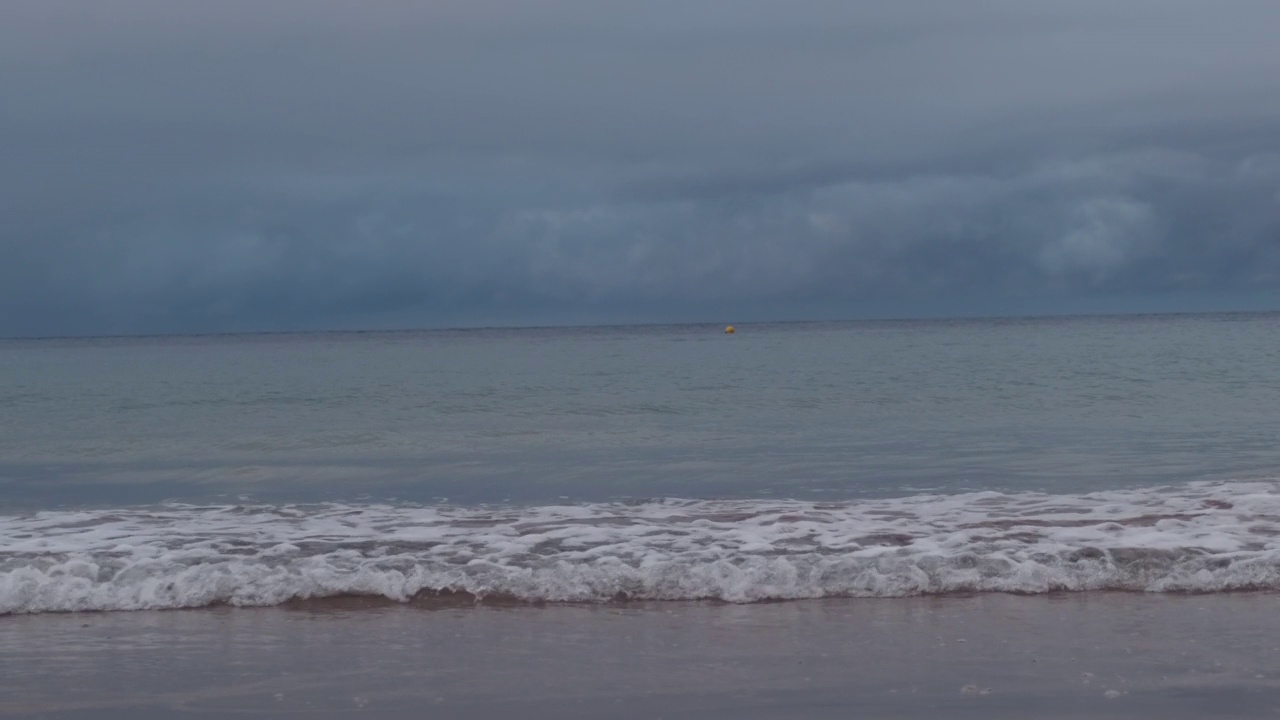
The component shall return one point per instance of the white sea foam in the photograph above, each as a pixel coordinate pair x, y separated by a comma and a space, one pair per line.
1194, 538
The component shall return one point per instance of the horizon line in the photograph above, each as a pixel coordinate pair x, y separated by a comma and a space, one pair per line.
687, 323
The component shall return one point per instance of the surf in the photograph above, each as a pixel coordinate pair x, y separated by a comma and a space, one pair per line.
1198, 537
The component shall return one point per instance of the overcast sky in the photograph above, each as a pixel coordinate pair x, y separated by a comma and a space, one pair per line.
189, 165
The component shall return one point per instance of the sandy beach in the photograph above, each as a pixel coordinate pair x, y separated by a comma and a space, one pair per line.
990, 656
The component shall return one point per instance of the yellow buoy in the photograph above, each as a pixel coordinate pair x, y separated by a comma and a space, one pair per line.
728, 330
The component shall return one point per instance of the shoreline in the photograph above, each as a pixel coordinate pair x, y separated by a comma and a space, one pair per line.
993, 655
461, 600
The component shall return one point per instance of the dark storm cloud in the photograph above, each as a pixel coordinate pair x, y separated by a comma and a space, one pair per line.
235, 165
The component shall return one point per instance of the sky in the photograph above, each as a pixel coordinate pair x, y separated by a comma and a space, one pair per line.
194, 166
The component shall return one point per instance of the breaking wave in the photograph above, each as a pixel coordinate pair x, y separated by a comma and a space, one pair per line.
1201, 537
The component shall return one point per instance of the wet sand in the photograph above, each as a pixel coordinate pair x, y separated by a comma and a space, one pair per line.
990, 656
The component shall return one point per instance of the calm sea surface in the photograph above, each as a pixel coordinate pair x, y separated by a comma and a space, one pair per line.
531, 416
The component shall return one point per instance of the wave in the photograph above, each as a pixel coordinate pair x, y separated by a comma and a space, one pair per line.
1200, 537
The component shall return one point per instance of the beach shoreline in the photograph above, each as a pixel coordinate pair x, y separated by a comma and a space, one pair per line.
987, 655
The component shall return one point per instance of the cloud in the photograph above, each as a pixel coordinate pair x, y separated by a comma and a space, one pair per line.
182, 168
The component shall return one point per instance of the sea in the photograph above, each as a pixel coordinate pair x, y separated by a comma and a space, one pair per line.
510, 499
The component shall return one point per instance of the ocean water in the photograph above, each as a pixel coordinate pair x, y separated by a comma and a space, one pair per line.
614, 464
